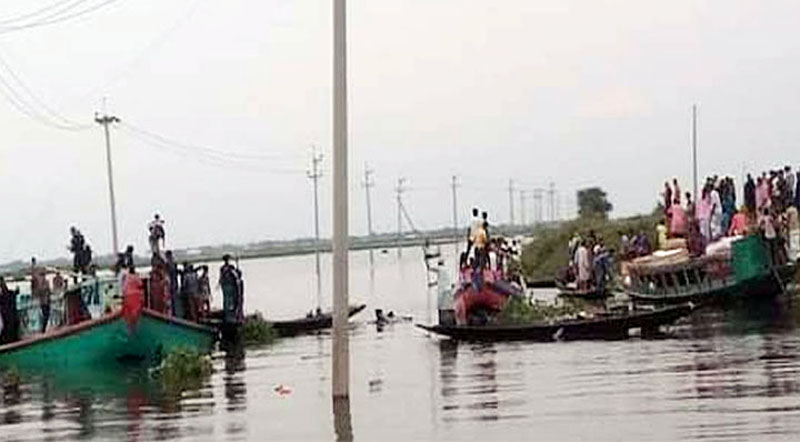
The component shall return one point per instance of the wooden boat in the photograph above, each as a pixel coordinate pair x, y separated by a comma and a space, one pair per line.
106, 340
607, 326
746, 272
587, 294
311, 323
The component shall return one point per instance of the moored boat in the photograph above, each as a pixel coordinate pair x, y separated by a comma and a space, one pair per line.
601, 326
109, 339
744, 271
592, 293
310, 324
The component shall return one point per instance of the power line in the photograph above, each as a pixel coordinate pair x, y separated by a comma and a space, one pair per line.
33, 14
146, 50
61, 15
39, 110
210, 160
211, 151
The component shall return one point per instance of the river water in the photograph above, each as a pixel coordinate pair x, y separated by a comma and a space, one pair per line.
716, 376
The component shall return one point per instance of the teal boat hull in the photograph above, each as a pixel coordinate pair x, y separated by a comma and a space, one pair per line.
107, 340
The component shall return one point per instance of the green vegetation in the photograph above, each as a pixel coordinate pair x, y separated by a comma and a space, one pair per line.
184, 369
519, 311
257, 331
548, 253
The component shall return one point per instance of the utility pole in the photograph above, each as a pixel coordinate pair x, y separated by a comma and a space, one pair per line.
522, 206
552, 198
537, 205
454, 186
315, 174
340, 353
694, 149
105, 121
399, 191
511, 201
368, 184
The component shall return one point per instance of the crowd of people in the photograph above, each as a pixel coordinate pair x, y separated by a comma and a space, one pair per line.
590, 262
487, 258
769, 208
182, 291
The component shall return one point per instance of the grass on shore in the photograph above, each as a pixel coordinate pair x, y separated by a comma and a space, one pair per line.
548, 253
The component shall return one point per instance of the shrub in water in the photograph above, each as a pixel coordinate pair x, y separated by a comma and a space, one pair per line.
258, 331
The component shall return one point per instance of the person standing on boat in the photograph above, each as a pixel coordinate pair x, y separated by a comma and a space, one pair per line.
750, 195
767, 225
229, 282
8, 311
157, 234
584, 265
159, 284
678, 220
793, 227
716, 214
191, 288
205, 291
174, 287
76, 246
40, 289
132, 297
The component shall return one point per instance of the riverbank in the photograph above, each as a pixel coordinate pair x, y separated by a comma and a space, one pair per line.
547, 254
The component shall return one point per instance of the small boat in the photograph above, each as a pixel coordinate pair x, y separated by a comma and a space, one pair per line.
541, 283
604, 326
592, 293
309, 324
745, 271
109, 339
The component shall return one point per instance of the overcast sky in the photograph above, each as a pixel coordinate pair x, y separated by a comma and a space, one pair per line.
574, 92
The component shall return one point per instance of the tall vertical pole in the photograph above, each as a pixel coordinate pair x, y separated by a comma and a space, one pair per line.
105, 121
694, 149
368, 183
552, 197
341, 346
511, 202
399, 191
315, 174
454, 187
522, 207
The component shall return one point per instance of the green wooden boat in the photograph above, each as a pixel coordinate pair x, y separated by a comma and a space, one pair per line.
107, 340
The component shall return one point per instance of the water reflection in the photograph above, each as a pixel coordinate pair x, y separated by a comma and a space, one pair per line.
342, 423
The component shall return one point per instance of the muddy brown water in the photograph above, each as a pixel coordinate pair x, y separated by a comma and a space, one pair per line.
731, 375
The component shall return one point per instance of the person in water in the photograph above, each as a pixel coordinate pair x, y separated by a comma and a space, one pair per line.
229, 277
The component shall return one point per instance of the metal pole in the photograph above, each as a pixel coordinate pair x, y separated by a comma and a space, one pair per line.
341, 347
105, 120
399, 190
454, 185
315, 175
368, 183
511, 202
694, 148
522, 206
